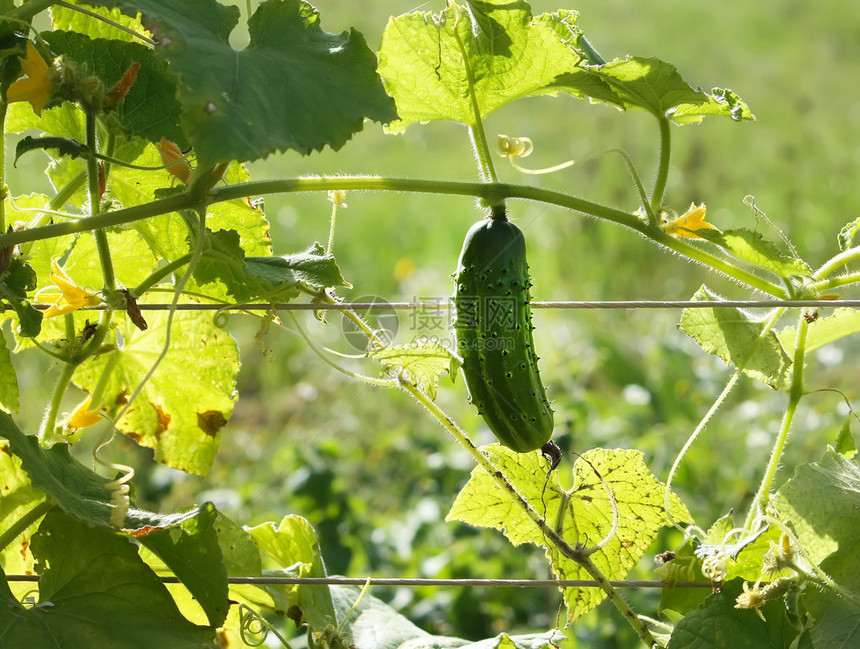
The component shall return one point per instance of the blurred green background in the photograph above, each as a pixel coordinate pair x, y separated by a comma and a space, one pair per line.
375, 475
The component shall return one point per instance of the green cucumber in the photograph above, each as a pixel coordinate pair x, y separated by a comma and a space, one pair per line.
494, 335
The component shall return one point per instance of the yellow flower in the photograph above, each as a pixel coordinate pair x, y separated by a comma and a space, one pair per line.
175, 161
38, 86
82, 416
65, 296
686, 225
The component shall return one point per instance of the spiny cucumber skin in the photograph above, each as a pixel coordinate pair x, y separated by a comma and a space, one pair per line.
494, 335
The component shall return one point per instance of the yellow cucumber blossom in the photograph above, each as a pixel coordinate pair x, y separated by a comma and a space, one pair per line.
82, 416
38, 86
65, 296
689, 223
172, 157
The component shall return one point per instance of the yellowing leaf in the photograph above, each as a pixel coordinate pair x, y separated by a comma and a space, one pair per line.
689, 223
183, 406
582, 514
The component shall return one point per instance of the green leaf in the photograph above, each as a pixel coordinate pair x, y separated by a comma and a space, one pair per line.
275, 279
182, 407
76, 489
168, 235
242, 559
375, 624
837, 622
65, 146
150, 109
16, 280
655, 86
846, 235
8, 379
752, 248
95, 591
66, 120
582, 514
717, 624
418, 363
293, 543
737, 338
192, 552
843, 322
20, 499
845, 443
68, 19
427, 59
293, 87
314, 268
821, 502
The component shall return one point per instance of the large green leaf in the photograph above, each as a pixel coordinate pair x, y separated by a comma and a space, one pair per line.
655, 86
717, 624
20, 499
293, 544
823, 331
374, 623
76, 489
95, 591
431, 62
192, 552
274, 279
181, 409
242, 559
822, 504
67, 18
150, 109
293, 87
581, 514
737, 338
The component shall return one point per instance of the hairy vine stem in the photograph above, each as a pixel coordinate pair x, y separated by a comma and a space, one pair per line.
662, 164
760, 502
491, 193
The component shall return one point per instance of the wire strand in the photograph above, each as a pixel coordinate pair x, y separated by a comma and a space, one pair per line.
444, 304
491, 583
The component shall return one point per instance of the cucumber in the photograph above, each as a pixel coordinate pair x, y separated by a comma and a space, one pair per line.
494, 335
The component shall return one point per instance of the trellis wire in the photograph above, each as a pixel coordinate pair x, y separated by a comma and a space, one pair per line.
492, 583
447, 304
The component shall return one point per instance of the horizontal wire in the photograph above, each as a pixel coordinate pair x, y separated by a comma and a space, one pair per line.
447, 304
493, 583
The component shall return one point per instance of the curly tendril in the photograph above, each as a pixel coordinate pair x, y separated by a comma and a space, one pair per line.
118, 488
522, 147
254, 629
220, 319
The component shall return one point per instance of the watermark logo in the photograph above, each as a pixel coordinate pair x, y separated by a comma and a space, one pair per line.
379, 316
